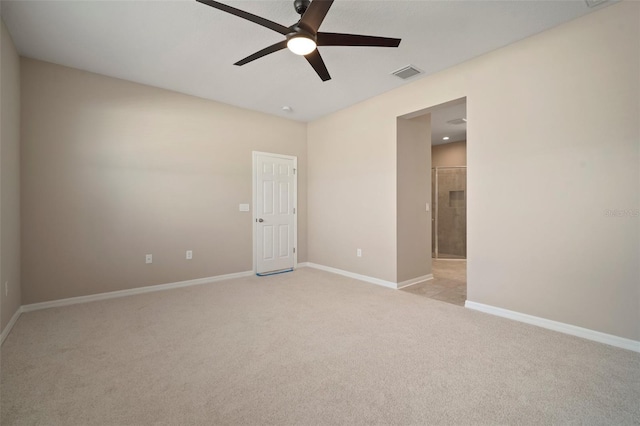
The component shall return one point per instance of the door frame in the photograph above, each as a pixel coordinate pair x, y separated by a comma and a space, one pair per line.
254, 196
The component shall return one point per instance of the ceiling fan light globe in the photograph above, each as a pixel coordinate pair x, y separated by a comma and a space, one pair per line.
301, 45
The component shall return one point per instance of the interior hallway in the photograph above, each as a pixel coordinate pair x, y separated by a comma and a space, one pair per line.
449, 283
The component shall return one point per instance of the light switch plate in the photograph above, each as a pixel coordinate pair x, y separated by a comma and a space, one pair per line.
244, 207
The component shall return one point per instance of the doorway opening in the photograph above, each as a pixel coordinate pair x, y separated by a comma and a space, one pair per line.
448, 186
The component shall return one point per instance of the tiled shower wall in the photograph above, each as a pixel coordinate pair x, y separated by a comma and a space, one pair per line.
450, 208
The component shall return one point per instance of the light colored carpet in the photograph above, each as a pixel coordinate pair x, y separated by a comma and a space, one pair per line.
304, 348
449, 283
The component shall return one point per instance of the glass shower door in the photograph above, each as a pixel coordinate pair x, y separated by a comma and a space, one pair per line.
433, 214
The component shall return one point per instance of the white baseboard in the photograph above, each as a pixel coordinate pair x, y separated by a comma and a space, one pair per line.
365, 278
130, 292
114, 294
10, 325
415, 281
585, 333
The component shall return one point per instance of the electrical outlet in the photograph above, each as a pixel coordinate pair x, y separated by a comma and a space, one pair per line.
359, 252
148, 258
189, 254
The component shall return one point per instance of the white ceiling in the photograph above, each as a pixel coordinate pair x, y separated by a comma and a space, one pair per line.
189, 47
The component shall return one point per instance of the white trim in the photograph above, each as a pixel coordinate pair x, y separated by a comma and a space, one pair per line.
414, 281
444, 259
371, 280
254, 177
11, 323
131, 292
254, 196
585, 333
303, 265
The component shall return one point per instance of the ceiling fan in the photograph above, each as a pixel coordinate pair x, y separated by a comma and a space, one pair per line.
303, 37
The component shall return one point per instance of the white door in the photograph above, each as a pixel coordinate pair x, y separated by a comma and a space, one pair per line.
275, 212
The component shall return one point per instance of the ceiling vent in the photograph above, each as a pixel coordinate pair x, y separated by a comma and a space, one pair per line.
457, 121
407, 72
594, 3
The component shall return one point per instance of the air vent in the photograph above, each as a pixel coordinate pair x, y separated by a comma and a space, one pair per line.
594, 3
407, 72
457, 121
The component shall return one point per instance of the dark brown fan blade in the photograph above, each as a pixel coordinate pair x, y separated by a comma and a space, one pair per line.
317, 63
264, 52
248, 16
314, 15
337, 39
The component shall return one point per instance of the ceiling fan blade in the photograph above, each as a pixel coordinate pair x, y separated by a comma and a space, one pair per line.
314, 15
338, 39
264, 52
317, 63
248, 16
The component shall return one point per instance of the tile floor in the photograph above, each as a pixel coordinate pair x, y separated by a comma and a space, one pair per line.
449, 282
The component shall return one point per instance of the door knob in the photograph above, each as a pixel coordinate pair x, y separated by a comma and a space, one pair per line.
261, 220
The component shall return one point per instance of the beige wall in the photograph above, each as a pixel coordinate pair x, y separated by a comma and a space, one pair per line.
352, 191
413, 192
113, 170
449, 154
10, 178
553, 143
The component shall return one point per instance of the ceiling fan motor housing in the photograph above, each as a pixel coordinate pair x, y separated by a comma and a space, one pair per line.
301, 6
301, 32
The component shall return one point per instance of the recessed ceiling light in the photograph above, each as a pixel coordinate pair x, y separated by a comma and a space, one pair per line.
287, 108
464, 119
446, 138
